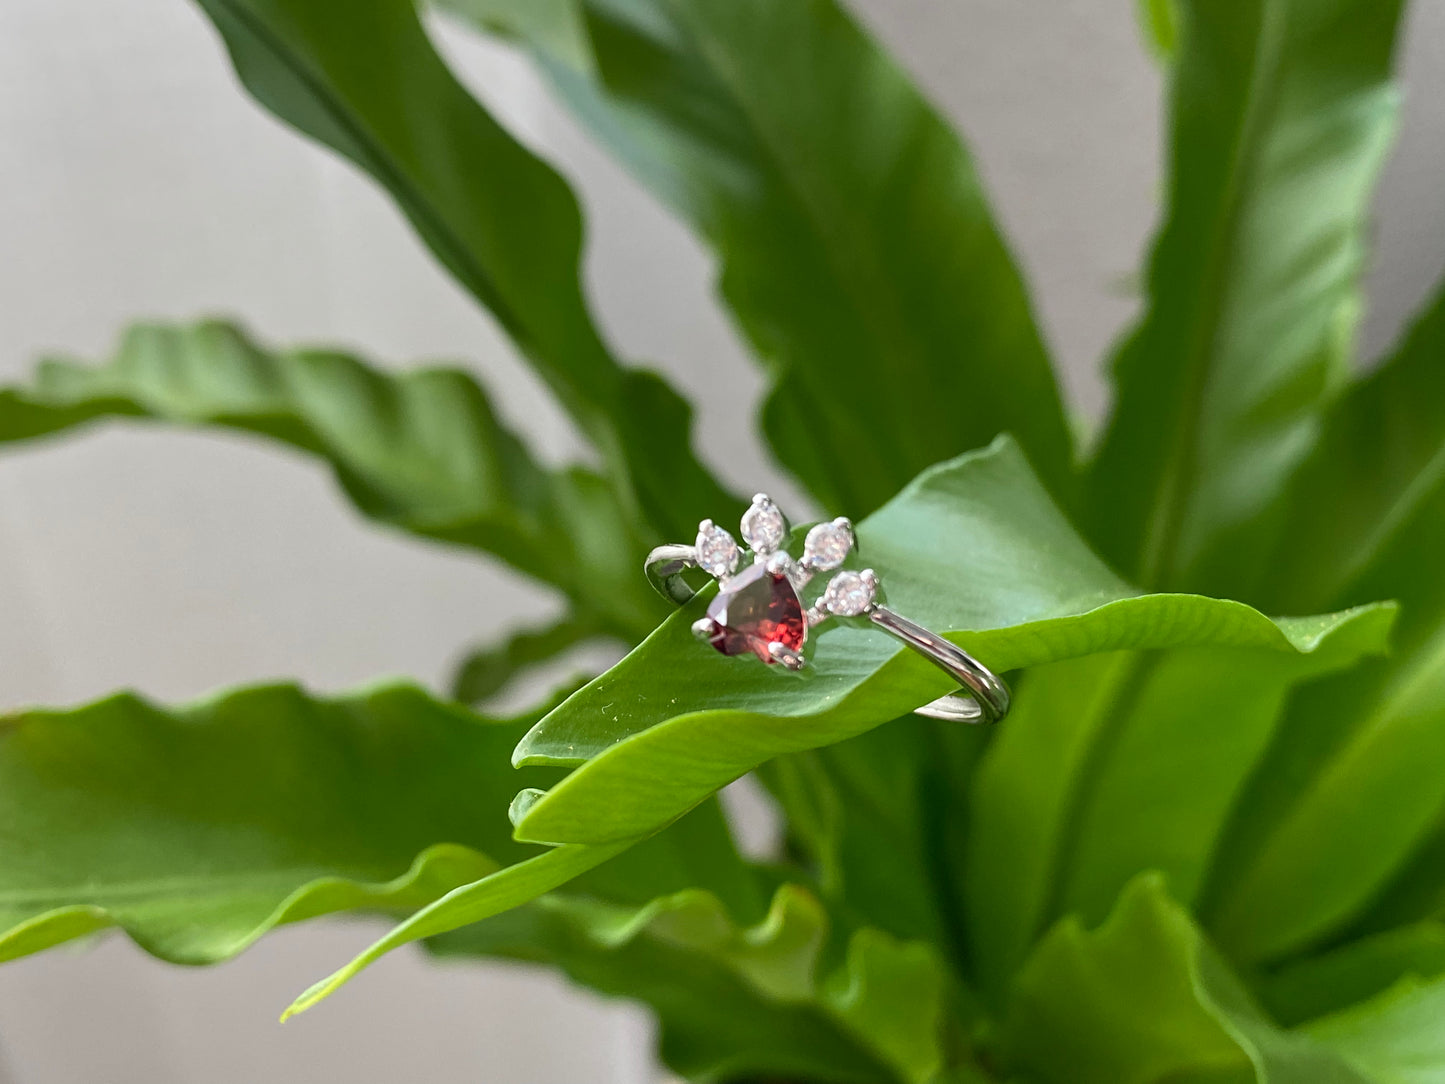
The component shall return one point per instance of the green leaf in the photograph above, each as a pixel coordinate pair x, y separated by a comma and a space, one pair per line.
500, 891
713, 1025
361, 77
695, 851
485, 673
1282, 113
856, 249
556, 27
420, 450
890, 994
1328, 825
734, 1000
1159, 20
195, 830
1352, 791
1120, 763
1144, 998
1416, 890
1395, 1038
973, 548
1353, 972
1375, 479
874, 817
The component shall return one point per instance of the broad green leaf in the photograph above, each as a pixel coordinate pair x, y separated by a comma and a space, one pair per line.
890, 995
1282, 112
1352, 789
195, 830
361, 77
855, 245
1178, 750
486, 672
1353, 972
875, 817
1376, 476
1143, 998
733, 1000
1416, 891
973, 548
1395, 1038
1326, 826
420, 450
1120, 763
695, 851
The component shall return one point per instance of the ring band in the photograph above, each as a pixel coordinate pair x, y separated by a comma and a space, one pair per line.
759, 607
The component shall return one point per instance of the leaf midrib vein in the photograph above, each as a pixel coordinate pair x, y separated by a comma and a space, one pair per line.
1399, 515
1416, 673
1159, 559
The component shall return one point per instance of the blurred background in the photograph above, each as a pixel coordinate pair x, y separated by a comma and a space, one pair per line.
137, 180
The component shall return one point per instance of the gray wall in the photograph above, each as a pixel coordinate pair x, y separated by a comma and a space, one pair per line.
135, 179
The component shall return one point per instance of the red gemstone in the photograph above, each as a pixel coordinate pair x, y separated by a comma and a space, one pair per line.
757, 608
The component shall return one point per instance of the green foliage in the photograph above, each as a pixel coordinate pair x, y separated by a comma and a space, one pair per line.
486, 672
973, 548
502, 221
195, 830
1206, 846
828, 271
1281, 115
1144, 998
1395, 1037
422, 451
736, 1000
1160, 22
1356, 766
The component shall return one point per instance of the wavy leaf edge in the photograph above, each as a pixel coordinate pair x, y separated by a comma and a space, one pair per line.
552, 816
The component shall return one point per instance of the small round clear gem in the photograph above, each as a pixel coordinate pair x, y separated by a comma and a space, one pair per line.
849, 594
763, 526
717, 553
828, 544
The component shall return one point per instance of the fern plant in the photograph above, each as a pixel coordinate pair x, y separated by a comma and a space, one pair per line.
1207, 844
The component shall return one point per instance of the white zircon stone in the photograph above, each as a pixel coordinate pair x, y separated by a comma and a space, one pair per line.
827, 545
849, 594
717, 553
763, 526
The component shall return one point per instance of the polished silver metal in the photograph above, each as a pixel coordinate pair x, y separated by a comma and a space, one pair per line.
983, 698
988, 699
665, 568
784, 654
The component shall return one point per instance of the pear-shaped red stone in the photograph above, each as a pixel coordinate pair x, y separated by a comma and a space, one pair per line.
757, 608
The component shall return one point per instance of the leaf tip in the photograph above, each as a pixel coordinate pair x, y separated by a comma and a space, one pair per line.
313, 994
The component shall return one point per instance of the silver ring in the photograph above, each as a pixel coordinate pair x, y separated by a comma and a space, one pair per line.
759, 605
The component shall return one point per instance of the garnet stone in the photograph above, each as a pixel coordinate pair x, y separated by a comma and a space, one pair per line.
755, 609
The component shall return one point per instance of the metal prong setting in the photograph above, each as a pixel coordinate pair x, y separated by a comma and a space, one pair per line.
787, 656
984, 696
